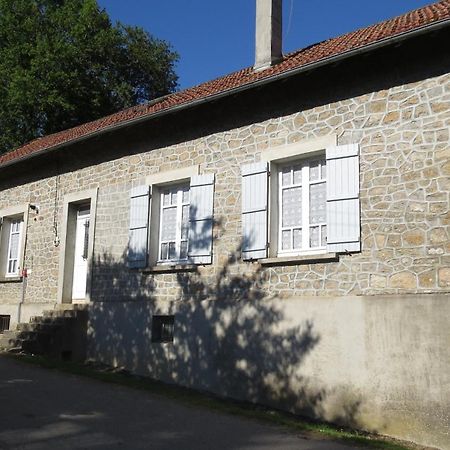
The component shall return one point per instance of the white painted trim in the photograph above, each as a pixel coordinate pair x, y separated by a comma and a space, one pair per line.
280, 155
5, 213
170, 176
11, 233
302, 148
14, 210
63, 275
179, 210
155, 181
306, 225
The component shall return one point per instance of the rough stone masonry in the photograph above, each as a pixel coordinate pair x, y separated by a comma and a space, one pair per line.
380, 317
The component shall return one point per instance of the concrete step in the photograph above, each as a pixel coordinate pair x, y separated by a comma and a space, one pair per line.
61, 314
7, 343
35, 335
38, 326
51, 333
47, 320
72, 307
14, 350
8, 333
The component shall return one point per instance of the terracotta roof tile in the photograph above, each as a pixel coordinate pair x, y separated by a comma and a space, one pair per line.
361, 38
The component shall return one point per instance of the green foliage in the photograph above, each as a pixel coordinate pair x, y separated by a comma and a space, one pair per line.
62, 63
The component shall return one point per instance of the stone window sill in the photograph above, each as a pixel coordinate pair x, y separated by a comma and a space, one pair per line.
10, 279
170, 268
300, 259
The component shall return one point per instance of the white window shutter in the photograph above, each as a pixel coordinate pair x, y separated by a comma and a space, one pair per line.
254, 210
138, 230
343, 205
201, 219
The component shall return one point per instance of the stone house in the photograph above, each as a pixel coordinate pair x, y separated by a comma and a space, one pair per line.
278, 235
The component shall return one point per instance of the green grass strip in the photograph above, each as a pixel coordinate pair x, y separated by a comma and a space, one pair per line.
190, 397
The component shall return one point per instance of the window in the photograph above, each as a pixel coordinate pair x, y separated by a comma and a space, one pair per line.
302, 224
12, 257
162, 328
4, 322
12, 242
171, 221
174, 224
306, 204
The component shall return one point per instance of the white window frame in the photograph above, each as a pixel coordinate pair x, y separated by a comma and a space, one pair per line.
306, 226
285, 155
179, 189
157, 182
7, 216
9, 260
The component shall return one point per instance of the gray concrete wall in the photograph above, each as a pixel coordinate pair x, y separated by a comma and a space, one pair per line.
378, 363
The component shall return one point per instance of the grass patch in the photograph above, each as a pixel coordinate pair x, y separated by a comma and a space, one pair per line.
189, 397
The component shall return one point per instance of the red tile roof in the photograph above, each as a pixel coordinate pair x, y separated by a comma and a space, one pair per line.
359, 39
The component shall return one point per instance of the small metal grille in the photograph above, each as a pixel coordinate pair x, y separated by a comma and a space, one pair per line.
162, 328
4, 323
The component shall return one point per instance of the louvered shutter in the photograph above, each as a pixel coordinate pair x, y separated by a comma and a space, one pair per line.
343, 205
201, 219
138, 230
254, 210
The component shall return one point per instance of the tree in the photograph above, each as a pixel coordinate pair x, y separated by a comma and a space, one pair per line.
62, 63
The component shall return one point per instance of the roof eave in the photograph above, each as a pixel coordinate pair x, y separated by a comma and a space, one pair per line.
307, 67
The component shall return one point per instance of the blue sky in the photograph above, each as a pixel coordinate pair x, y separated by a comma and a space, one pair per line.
216, 37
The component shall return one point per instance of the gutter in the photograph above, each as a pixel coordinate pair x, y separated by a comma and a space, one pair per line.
311, 66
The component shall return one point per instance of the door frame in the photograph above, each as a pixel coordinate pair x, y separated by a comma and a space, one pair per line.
71, 202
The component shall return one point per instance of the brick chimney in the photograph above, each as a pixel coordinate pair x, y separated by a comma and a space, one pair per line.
268, 43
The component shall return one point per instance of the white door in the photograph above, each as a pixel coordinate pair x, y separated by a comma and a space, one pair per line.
80, 265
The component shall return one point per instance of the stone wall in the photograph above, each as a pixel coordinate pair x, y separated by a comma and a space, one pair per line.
404, 137
403, 132
401, 119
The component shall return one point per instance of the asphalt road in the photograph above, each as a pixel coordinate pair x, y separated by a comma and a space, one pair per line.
44, 409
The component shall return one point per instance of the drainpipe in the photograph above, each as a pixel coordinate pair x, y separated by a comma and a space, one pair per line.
22, 299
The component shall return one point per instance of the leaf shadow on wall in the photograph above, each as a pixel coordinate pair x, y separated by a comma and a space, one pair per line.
230, 336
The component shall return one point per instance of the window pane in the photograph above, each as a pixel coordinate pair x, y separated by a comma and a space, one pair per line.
166, 332
164, 251
172, 250
314, 171
324, 170
183, 250
169, 224
286, 176
185, 222
297, 174
317, 203
166, 198
286, 240
324, 235
297, 239
12, 266
314, 237
185, 195
173, 197
14, 246
292, 207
